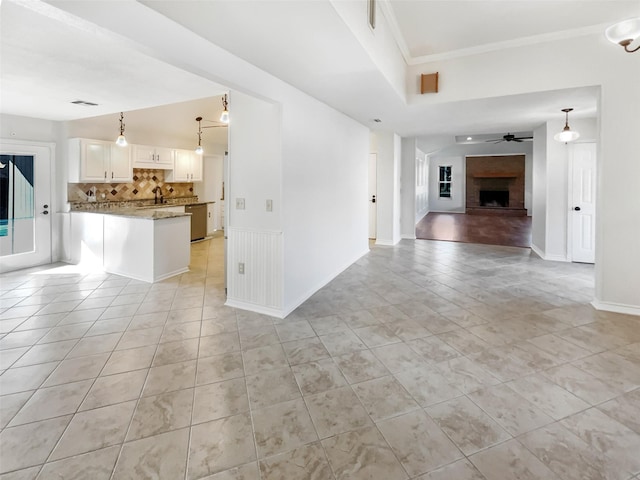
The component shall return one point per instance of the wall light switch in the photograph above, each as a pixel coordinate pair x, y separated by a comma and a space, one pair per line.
241, 268
269, 205
239, 203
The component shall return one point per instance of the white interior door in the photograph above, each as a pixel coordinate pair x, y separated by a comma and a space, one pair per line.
583, 203
25, 205
373, 205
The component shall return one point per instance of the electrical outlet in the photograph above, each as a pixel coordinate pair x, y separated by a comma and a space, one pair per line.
239, 203
269, 205
241, 268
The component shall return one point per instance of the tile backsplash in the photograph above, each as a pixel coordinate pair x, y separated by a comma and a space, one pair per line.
144, 181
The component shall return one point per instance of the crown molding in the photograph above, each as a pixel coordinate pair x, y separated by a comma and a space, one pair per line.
387, 10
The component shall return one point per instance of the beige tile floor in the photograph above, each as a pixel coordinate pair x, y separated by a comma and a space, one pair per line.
429, 360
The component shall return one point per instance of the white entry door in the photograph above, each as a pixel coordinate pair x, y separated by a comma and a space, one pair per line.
583, 203
373, 205
25, 205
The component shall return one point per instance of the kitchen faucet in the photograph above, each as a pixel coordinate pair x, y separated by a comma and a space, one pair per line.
155, 191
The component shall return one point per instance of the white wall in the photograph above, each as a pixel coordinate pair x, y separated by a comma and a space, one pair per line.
422, 185
255, 163
539, 190
325, 195
408, 181
455, 203
389, 151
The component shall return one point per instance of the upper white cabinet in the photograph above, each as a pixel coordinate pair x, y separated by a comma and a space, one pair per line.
97, 161
159, 158
187, 167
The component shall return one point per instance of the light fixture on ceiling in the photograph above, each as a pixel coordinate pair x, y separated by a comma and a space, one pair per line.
224, 118
625, 33
121, 141
566, 135
469, 139
199, 149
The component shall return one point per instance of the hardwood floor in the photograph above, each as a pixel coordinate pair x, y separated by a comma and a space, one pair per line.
488, 230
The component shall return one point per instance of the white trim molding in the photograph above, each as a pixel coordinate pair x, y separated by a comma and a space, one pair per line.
616, 307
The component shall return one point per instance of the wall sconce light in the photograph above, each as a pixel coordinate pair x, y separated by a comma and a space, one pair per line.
224, 118
566, 135
625, 33
121, 141
199, 149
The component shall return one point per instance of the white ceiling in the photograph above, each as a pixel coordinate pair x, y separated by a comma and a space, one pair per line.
444, 26
50, 58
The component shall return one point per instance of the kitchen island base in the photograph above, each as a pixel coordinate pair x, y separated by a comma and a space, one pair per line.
149, 249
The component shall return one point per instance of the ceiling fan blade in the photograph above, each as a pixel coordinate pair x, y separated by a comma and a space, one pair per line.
523, 138
517, 140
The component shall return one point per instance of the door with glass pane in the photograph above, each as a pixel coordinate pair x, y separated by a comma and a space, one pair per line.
25, 219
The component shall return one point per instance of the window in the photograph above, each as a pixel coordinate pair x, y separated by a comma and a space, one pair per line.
444, 182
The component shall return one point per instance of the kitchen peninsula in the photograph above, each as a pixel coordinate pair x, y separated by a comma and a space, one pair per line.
143, 244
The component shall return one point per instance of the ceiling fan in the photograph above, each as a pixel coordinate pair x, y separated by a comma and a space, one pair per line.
509, 138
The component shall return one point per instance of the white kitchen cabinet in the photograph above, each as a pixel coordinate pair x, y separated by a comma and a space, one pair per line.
187, 167
159, 158
98, 161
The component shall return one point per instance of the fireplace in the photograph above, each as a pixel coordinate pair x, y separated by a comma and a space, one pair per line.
492, 198
495, 185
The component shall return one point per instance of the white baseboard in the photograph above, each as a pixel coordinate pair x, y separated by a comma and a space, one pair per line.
386, 243
408, 237
537, 251
252, 307
616, 307
551, 258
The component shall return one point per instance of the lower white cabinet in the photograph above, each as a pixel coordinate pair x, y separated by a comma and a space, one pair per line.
187, 167
142, 248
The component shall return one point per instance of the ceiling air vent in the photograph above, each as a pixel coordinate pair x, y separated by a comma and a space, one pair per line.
86, 104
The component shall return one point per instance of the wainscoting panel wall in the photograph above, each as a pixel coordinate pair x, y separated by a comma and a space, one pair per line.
260, 287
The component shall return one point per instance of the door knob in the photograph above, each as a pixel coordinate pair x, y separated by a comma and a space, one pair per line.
46, 212
373, 199
577, 209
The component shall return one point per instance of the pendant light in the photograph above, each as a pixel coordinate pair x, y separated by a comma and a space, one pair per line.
224, 118
566, 135
199, 149
121, 141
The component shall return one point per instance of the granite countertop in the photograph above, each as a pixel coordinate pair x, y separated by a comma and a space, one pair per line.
144, 213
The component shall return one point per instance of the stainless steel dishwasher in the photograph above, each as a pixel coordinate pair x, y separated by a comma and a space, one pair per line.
198, 220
